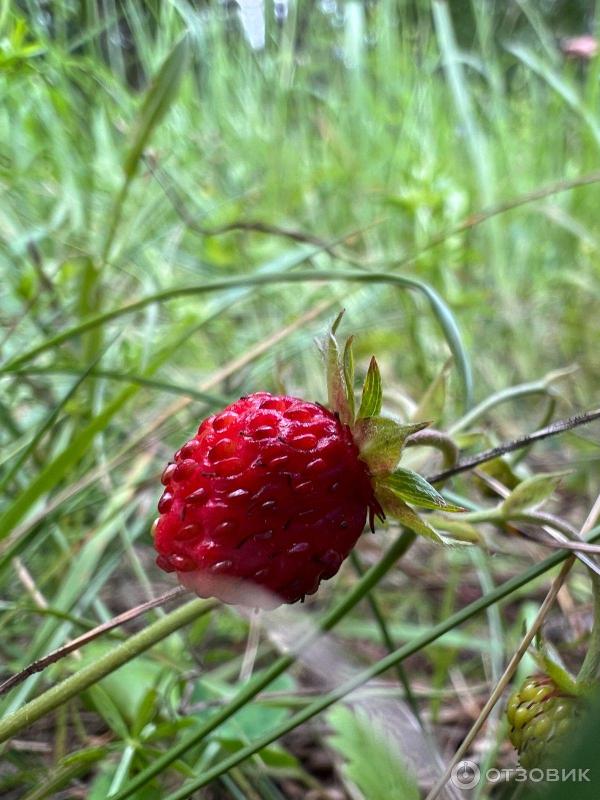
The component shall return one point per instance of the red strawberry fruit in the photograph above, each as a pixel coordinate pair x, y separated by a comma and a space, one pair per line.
274, 491
271, 491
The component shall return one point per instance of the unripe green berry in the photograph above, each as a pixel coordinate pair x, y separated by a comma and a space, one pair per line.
541, 717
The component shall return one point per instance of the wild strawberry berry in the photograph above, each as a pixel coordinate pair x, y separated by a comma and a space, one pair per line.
275, 491
271, 491
541, 717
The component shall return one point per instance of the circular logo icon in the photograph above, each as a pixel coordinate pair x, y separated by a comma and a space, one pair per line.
465, 775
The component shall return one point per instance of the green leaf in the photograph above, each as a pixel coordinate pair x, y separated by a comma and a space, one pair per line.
380, 441
372, 394
104, 705
157, 102
531, 492
147, 710
348, 366
253, 718
399, 510
69, 768
550, 667
274, 757
501, 470
376, 768
413, 488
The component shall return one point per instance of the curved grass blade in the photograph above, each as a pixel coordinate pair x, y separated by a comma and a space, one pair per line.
215, 400
441, 311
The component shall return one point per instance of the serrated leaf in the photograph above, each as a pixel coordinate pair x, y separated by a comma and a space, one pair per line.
380, 441
370, 763
348, 367
372, 394
531, 492
253, 719
397, 508
413, 488
128, 688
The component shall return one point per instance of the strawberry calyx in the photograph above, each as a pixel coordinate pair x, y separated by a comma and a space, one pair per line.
380, 440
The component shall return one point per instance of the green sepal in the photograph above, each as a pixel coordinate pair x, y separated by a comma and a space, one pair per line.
348, 368
372, 393
336, 322
457, 528
550, 667
380, 441
413, 488
338, 390
405, 515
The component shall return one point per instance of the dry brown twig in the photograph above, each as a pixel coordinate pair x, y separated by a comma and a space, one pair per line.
561, 426
88, 636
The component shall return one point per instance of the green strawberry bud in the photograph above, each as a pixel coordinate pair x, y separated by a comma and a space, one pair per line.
541, 717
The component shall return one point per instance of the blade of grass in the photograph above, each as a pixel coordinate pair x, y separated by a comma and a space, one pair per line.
88, 636
157, 102
256, 684
441, 311
542, 386
56, 468
477, 143
560, 84
215, 400
49, 421
386, 637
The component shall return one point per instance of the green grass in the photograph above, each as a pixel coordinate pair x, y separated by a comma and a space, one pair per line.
237, 200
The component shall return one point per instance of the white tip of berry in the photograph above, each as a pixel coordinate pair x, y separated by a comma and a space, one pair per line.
233, 591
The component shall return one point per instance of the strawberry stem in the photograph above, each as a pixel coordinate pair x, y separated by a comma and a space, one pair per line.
437, 439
